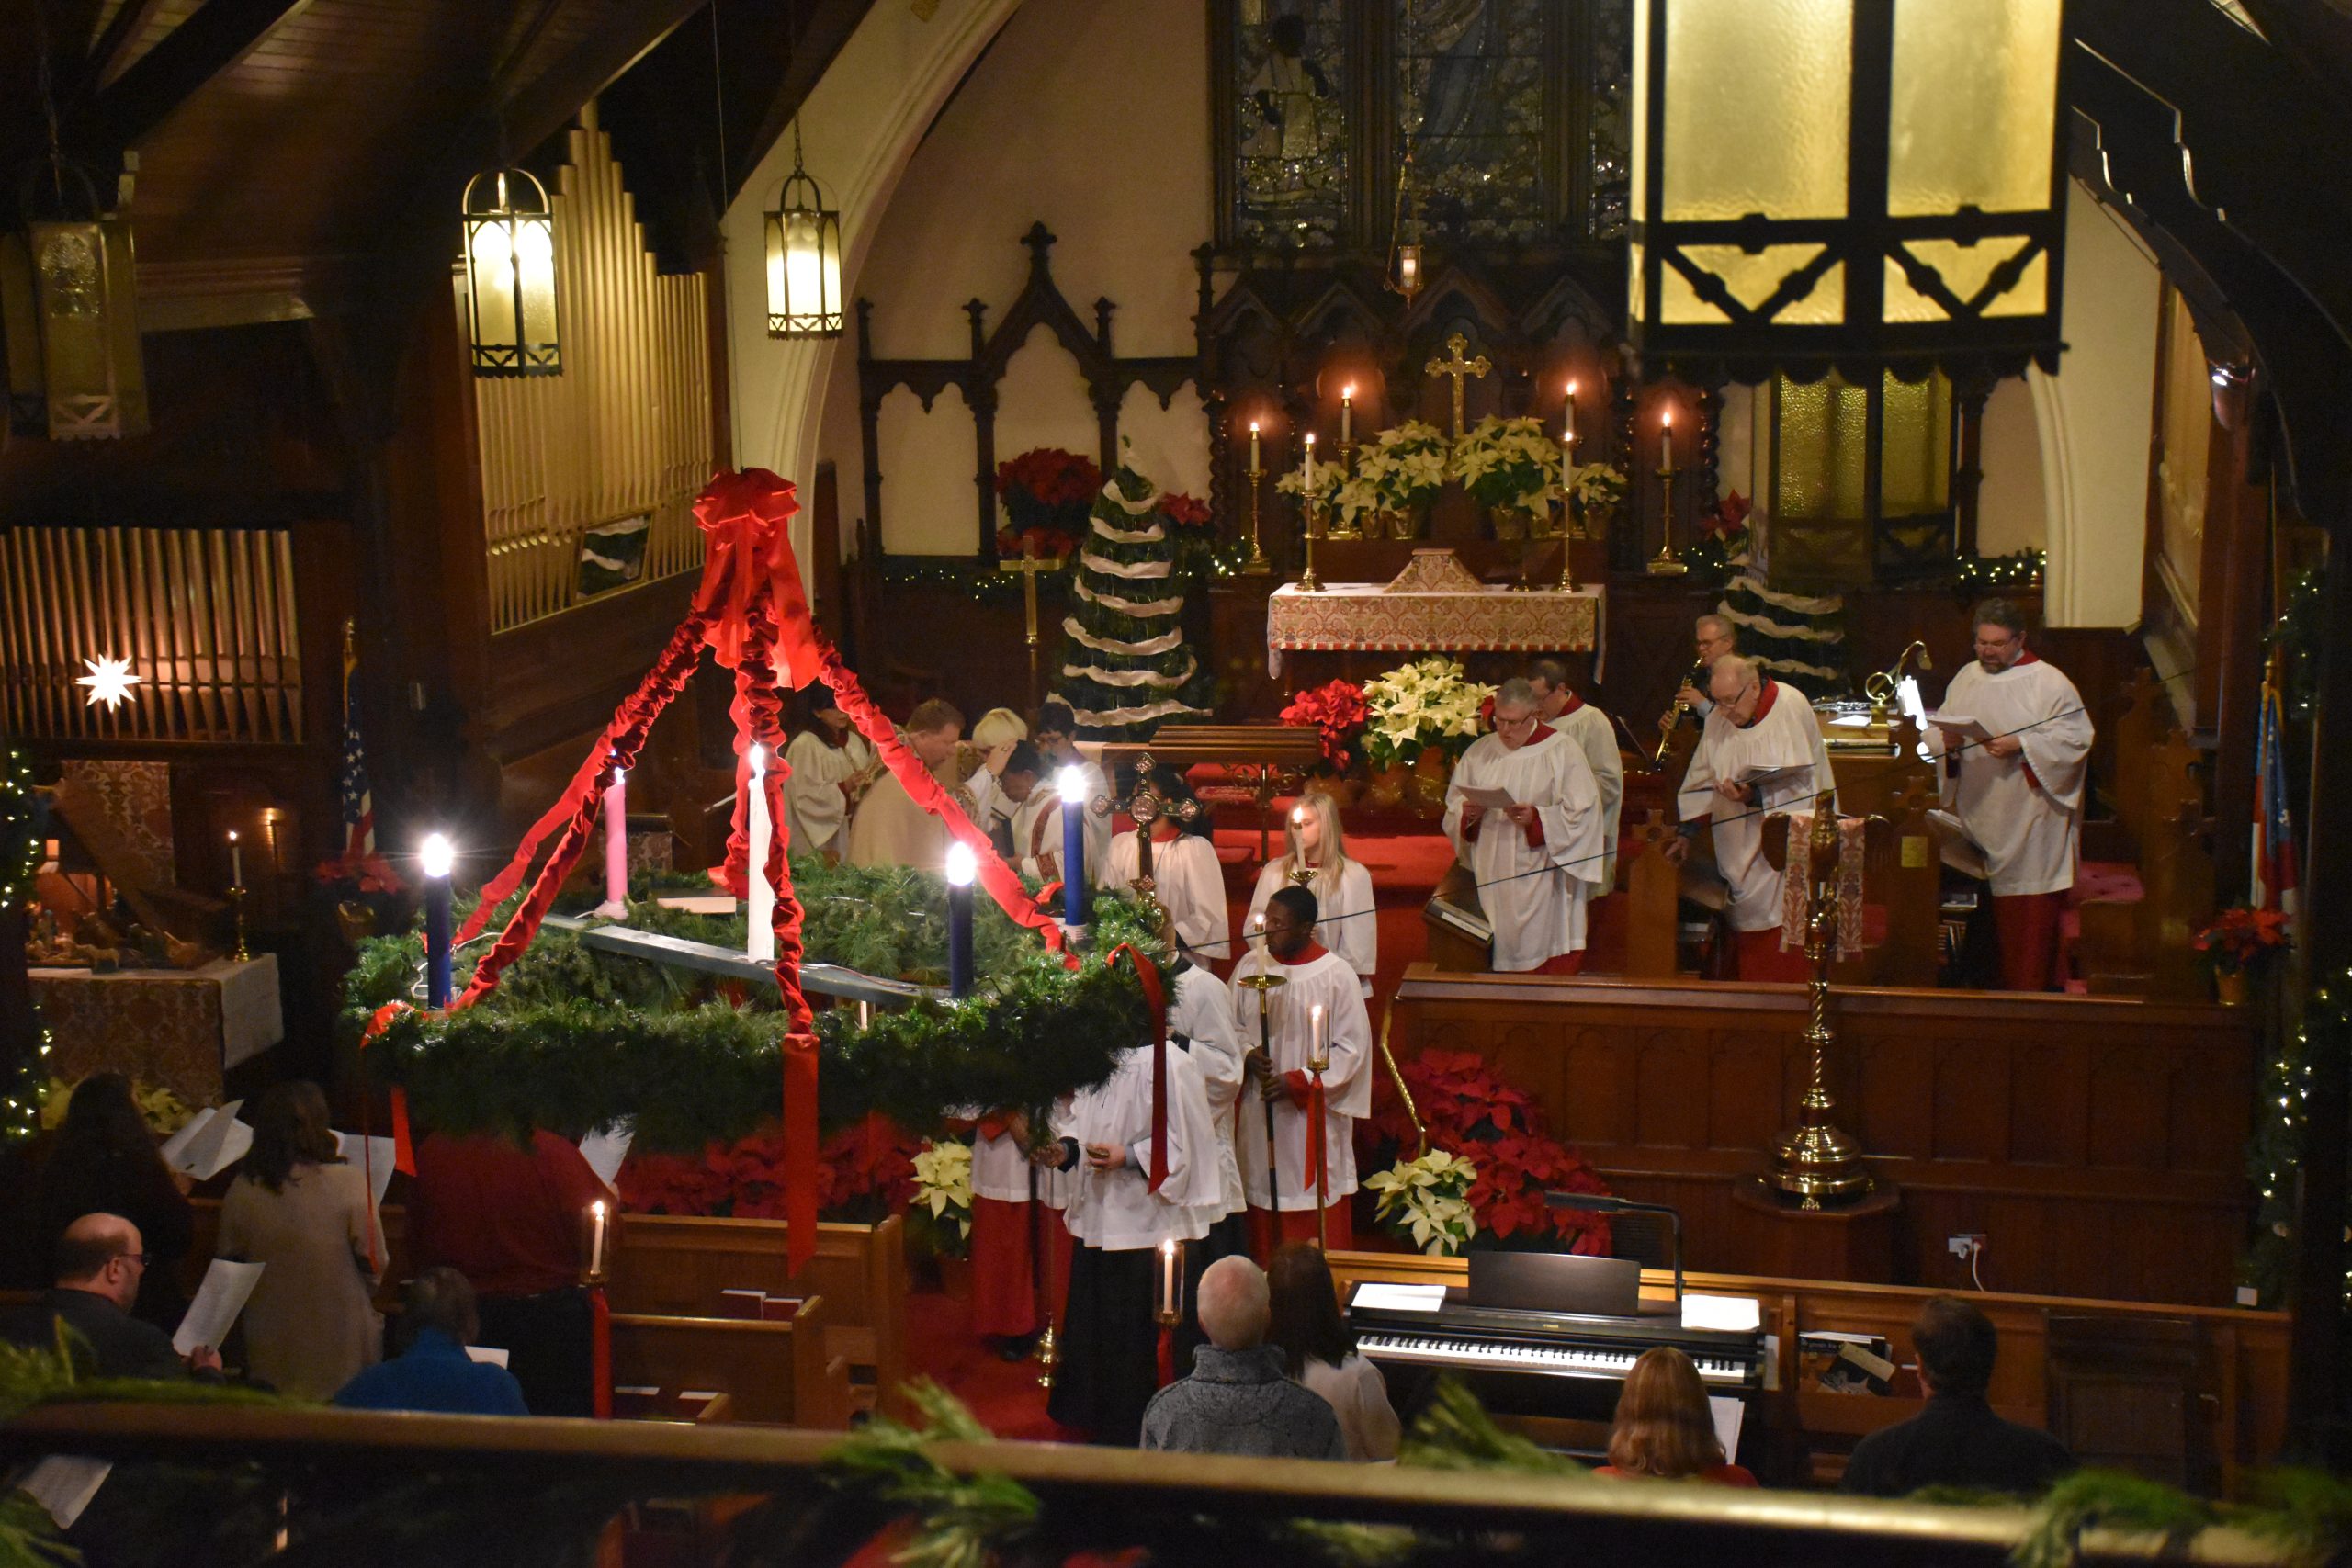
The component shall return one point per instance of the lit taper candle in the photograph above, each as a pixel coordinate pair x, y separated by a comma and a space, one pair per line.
758, 930
617, 846
961, 868
436, 859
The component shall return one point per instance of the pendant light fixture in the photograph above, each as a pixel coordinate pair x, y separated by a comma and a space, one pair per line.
804, 247
511, 314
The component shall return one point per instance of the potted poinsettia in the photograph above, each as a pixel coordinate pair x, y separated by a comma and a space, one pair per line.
1420, 717
2239, 945
1336, 711
940, 1216
1047, 493
1405, 468
1427, 1200
1511, 467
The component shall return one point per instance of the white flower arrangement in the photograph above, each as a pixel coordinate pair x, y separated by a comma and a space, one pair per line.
1509, 463
943, 1183
1430, 702
1595, 486
1407, 465
1428, 1199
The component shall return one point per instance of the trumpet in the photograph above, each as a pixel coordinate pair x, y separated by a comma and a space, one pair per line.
1675, 715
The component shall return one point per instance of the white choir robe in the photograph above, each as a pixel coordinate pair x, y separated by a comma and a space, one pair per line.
2026, 811
815, 810
1201, 1010
1116, 1210
1533, 895
1190, 885
1346, 920
1783, 735
1325, 977
1037, 835
1596, 738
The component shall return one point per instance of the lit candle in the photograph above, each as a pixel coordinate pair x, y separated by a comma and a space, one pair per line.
1253, 447
759, 932
1319, 1037
961, 868
436, 859
1307, 493
1569, 436
596, 1240
1258, 932
1172, 1276
1346, 414
1666, 439
236, 861
616, 844
1072, 785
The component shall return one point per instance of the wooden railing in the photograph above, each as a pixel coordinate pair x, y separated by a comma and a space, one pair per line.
624, 432
205, 617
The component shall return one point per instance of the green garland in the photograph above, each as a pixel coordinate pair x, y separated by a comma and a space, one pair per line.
976, 581
21, 1076
575, 1037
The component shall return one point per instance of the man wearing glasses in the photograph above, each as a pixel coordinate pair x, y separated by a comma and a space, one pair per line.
1525, 816
98, 1268
2016, 744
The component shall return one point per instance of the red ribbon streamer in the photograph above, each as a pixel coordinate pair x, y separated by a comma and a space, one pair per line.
1156, 998
600, 1352
404, 1154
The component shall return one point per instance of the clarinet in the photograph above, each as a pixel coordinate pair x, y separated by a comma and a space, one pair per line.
1678, 713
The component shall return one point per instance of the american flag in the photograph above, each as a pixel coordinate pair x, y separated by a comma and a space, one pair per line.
358, 804
2274, 826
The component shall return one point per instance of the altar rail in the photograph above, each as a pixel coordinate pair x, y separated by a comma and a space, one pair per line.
484, 1464
2098, 1142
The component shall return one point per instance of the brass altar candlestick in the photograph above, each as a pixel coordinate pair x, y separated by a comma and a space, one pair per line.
1816, 1160
1307, 582
1665, 564
237, 911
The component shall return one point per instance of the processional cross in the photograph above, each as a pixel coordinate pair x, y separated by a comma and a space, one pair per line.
1457, 367
1148, 806
1029, 566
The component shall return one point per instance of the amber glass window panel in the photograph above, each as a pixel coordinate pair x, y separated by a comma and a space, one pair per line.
1291, 133
1822, 525
1974, 102
1756, 108
1915, 451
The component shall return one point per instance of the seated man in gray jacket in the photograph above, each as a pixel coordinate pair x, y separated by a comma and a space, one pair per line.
1239, 1399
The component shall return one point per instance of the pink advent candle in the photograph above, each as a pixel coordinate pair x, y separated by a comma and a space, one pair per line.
617, 839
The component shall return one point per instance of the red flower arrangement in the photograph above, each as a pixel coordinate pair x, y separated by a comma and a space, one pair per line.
1184, 511
864, 1173
1728, 520
365, 870
1047, 494
1472, 1113
1337, 710
2241, 939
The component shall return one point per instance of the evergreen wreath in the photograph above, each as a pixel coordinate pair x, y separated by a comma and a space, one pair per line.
1125, 665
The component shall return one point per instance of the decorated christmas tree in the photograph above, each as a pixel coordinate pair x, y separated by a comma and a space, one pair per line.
1125, 665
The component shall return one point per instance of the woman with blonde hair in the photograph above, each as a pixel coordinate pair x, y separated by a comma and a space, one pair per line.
1315, 854
1664, 1430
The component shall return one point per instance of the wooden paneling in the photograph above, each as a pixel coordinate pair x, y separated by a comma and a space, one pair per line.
2098, 1142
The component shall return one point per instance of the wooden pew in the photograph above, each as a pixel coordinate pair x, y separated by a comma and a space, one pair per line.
782, 1374
678, 1265
1274, 758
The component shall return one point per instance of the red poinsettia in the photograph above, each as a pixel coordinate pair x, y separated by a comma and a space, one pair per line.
864, 1172
1728, 520
365, 870
1471, 1112
1050, 477
1184, 511
2241, 939
1336, 709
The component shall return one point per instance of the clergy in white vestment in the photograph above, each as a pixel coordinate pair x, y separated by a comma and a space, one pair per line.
2014, 779
888, 828
1185, 877
1315, 857
1760, 755
825, 756
1596, 738
1316, 980
1538, 859
1032, 832
1056, 738
1119, 1217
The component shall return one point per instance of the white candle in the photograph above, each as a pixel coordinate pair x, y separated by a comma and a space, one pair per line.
1347, 415
759, 935
236, 861
1307, 493
1170, 1277
1569, 437
1258, 932
616, 843
596, 1240
1318, 1049
1253, 446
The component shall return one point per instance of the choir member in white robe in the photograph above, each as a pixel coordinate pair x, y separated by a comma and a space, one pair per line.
1596, 738
1033, 840
1760, 755
1538, 860
1110, 1366
824, 755
888, 828
1200, 1018
1187, 879
1346, 922
1017, 1255
2019, 794
1056, 738
1284, 1181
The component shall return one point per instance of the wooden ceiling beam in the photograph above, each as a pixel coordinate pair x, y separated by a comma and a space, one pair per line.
825, 28
216, 36
111, 51
540, 107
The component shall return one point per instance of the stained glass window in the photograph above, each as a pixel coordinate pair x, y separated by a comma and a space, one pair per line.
1846, 512
1289, 131
1470, 101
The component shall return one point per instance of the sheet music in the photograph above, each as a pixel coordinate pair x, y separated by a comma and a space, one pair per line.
64, 1483
1962, 724
373, 1155
605, 1148
211, 1142
1399, 1298
486, 1355
218, 1302
1729, 1314
1487, 798
1728, 1414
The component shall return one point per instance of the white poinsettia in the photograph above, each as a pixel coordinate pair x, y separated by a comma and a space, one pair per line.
1509, 463
1429, 1200
1427, 702
944, 1182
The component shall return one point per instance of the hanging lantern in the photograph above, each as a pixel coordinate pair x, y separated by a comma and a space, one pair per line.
1406, 279
804, 258
1848, 184
69, 309
510, 276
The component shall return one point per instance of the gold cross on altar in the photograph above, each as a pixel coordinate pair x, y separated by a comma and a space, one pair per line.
1029, 566
1457, 367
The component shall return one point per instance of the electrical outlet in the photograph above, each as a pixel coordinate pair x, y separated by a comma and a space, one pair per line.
1963, 1244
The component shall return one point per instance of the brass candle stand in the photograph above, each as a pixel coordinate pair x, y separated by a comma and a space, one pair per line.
237, 913
1815, 1160
1257, 565
1665, 563
1307, 582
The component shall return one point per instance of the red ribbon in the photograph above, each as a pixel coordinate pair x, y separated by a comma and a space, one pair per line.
1156, 998
600, 1352
403, 1155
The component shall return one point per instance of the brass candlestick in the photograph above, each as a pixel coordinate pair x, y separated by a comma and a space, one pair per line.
1257, 565
1307, 582
237, 912
1816, 1160
1665, 564
1265, 982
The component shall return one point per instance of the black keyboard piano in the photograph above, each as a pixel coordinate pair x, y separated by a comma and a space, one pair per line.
1530, 1362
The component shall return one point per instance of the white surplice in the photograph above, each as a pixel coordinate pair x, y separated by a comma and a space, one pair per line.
2027, 810
1190, 885
1784, 736
1345, 918
815, 810
1534, 893
1347, 1081
1116, 1210
1037, 835
1596, 738
1200, 1012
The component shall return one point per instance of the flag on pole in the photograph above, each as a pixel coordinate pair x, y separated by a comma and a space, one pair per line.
358, 804
2274, 826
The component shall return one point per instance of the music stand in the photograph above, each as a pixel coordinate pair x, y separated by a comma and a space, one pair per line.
1602, 1203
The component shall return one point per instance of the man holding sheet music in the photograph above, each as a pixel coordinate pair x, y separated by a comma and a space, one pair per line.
1760, 755
99, 1263
2015, 743
1526, 817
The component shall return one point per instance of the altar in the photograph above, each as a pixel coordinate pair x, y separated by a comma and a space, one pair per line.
1435, 605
